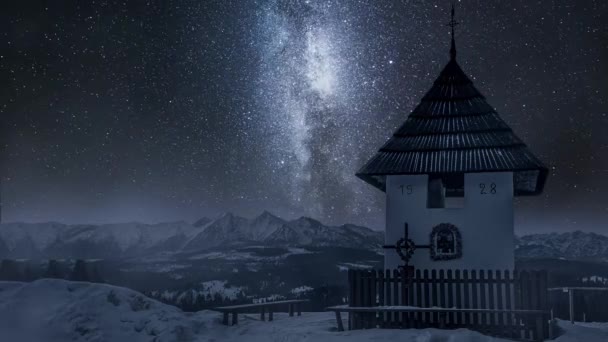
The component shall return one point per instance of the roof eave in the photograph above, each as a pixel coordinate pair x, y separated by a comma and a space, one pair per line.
372, 179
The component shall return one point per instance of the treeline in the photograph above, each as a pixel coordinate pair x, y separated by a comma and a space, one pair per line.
27, 270
197, 299
194, 299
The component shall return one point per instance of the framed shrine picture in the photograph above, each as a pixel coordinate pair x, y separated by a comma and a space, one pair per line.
446, 242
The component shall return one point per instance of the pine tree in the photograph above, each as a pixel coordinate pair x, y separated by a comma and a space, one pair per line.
79, 272
9, 270
29, 273
93, 273
53, 270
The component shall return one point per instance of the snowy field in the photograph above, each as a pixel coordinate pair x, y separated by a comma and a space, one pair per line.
57, 310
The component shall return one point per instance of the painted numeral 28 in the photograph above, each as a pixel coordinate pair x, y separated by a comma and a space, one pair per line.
485, 190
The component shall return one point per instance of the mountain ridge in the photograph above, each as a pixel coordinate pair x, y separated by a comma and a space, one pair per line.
121, 240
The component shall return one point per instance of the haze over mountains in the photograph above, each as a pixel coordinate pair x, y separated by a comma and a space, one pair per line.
124, 240
113, 241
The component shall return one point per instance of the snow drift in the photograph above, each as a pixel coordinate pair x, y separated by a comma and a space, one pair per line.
57, 310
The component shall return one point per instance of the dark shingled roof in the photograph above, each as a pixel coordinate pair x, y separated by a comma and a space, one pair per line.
454, 130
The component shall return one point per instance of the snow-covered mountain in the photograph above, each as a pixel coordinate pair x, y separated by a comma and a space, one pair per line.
39, 240
575, 245
306, 231
111, 241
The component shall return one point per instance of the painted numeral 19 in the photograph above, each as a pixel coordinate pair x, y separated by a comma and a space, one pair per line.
406, 189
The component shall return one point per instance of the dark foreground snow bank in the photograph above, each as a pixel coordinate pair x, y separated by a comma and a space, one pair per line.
57, 310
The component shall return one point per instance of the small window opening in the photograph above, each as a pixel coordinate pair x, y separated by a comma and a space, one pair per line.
445, 191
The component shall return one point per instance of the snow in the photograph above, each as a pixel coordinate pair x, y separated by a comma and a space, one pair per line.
595, 279
207, 289
270, 298
297, 250
220, 287
349, 265
300, 290
57, 310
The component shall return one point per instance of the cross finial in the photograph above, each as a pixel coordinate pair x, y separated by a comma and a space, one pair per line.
451, 24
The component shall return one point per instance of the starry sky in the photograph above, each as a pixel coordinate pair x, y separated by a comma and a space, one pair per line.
153, 111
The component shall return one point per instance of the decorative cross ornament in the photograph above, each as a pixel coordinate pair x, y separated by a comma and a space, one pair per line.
405, 248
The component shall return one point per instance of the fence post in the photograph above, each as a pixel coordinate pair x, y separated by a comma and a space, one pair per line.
459, 317
467, 303
427, 296
396, 295
571, 305
372, 301
475, 319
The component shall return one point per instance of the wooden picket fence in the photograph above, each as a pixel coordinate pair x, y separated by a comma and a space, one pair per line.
502, 291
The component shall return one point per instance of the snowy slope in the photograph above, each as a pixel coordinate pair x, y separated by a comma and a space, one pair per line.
264, 225
57, 311
306, 231
225, 230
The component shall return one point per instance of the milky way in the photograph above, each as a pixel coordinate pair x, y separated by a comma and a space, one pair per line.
119, 111
306, 92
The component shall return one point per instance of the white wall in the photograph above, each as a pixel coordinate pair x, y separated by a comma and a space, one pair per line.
485, 223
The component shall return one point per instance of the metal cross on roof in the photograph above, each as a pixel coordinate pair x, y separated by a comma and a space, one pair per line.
405, 247
451, 24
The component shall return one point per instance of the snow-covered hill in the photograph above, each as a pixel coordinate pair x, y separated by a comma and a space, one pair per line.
58, 310
112, 241
53, 310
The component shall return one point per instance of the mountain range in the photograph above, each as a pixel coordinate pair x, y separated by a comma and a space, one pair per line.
124, 240
116, 241
576, 245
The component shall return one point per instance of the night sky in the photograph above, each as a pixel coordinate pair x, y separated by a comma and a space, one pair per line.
168, 110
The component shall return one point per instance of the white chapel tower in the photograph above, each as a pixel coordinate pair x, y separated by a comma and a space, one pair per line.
450, 173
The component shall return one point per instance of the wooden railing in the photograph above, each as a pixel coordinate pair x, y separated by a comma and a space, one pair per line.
505, 295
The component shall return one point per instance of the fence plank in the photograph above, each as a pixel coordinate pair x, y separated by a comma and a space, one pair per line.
419, 301
351, 296
381, 298
491, 298
459, 316
427, 296
524, 283
499, 300
544, 300
388, 297
373, 295
474, 282
410, 297
359, 302
396, 318
482, 297
434, 295
509, 303
534, 302
441, 286
467, 303
450, 296
403, 299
